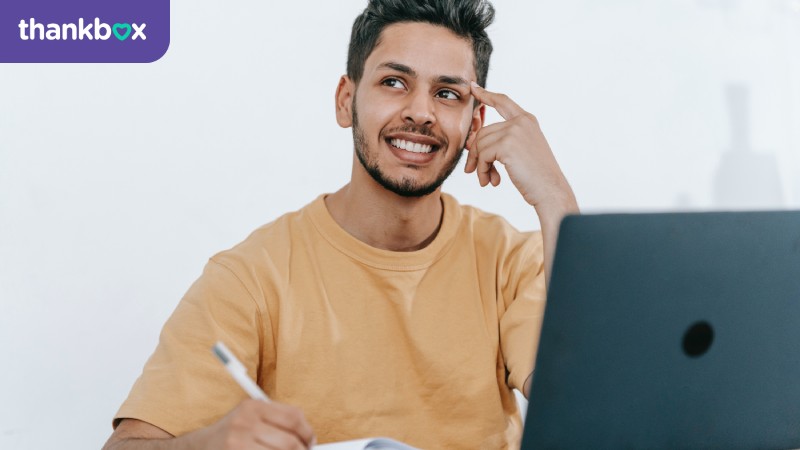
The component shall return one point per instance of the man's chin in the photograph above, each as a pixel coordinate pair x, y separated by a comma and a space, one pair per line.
408, 182
409, 188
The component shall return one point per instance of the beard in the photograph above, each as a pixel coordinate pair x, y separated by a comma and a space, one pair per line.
406, 186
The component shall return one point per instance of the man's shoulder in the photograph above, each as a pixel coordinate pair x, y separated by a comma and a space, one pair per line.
490, 226
497, 241
272, 242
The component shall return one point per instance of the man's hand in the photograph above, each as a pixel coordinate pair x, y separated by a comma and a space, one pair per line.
253, 424
258, 424
518, 143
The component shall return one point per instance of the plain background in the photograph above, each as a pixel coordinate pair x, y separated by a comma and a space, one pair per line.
117, 182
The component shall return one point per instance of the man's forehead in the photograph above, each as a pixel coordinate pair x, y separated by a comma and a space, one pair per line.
428, 50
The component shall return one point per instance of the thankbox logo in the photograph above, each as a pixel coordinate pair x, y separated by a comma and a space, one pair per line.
32, 30
83, 30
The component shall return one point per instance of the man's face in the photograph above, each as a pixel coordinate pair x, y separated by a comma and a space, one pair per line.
412, 111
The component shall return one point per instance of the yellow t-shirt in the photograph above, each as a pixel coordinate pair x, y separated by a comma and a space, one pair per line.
420, 346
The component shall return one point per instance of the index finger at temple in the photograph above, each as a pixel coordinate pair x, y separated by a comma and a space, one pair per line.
507, 108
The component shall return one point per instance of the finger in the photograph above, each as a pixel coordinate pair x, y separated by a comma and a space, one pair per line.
495, 129
472, 160
481, 178
494, 176
499, 127
474, 156
507, 108
277, 438
289, 419
491, 140
486, 161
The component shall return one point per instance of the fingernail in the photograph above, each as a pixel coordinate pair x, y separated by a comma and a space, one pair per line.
474, 84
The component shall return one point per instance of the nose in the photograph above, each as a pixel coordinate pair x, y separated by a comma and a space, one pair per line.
419, 109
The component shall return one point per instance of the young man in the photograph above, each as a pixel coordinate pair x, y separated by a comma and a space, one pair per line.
385, 308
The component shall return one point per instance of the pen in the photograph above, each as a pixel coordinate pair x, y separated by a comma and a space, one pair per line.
238, 372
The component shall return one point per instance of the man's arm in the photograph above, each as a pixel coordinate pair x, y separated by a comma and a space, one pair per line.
135, 434
253, 424
519, 144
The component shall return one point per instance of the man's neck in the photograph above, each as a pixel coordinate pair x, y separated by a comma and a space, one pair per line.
385, 220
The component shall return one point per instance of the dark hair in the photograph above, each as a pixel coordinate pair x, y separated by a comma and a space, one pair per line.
465, 18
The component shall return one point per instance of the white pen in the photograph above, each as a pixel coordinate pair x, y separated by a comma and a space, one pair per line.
238, 372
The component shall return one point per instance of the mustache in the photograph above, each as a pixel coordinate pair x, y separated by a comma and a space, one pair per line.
416, 129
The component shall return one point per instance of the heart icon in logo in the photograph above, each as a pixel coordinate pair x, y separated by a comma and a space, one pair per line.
121, 26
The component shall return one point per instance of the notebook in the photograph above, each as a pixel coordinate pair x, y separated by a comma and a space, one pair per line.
366, 444
677, 330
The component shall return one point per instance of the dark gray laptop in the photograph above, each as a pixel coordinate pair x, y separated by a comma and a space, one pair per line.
671, 331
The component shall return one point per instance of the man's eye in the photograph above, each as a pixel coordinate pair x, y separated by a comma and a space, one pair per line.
448, 94
394, 83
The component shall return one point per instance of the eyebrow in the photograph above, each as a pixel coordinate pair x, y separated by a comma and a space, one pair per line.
402, 68
442, 79
445, 79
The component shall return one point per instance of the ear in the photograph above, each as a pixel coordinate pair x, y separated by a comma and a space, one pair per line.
478, 116
345, 92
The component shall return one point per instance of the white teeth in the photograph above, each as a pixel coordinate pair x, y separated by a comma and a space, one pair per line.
412, 146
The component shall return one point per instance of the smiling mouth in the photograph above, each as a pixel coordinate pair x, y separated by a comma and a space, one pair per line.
413, 147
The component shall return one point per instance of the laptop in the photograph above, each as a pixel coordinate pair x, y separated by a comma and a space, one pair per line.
677, 330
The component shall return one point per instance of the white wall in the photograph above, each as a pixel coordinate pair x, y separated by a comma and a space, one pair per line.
117, 182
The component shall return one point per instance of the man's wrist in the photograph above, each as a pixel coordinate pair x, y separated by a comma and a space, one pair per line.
552, 210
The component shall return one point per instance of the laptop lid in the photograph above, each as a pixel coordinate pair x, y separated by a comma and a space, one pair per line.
671, 331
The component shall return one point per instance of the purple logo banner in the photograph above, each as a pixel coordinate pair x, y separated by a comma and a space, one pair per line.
83, 31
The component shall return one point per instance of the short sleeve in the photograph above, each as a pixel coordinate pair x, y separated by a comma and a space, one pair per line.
183, 386
524, 295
